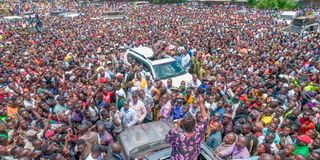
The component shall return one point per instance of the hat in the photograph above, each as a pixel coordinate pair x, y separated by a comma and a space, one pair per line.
304, 138
133, 89
119, 75
119, 93
109, 62
72, 78
148, 74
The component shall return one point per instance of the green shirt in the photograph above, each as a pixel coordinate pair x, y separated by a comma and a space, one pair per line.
121, 103
3, 118
318, 127
4, 135
303, 150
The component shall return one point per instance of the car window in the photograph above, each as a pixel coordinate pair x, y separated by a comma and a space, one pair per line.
146, 67
311, 29
111, 14
202, 156
131, 59
167, 70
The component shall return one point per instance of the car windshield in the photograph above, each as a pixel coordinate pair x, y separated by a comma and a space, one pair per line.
111, 14
168, 70
286, 17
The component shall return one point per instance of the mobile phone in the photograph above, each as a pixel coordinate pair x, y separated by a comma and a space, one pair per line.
50, 110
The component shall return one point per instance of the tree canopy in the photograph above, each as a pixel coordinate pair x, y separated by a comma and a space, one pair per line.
276, 4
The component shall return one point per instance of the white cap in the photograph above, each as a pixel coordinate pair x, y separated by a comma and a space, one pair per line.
109, 62
133, 89
120, 93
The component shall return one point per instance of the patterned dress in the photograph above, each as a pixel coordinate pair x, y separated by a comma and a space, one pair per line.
186, 148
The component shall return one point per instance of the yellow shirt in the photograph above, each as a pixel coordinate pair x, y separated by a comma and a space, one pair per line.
143, 83
190, 99
266, 119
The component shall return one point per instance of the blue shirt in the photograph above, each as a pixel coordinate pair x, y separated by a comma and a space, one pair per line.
176, 112
219, 110
277, 137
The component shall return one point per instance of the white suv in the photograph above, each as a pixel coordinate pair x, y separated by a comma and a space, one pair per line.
163, 69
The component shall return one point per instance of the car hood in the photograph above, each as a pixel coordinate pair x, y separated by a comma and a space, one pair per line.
140, 137
177, 80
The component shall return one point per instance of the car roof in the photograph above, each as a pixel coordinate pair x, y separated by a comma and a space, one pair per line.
148, 54
289, 13
111, 12
66, 13
144, 51
72, 15
162, 60
143, 135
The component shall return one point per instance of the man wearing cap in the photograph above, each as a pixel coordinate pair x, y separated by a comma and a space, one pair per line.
301, 147
148, 77
120, 99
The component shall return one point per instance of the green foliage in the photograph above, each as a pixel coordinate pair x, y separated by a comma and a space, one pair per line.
169, 1
290, 5
277, 4
251, 3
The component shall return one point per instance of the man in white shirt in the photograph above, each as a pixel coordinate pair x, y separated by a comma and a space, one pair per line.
139, 108
211, 105
269, 139
148, 89
96, 153
194, 83
128, 116
185, 59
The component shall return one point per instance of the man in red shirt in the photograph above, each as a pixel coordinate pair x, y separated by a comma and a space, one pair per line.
306, 122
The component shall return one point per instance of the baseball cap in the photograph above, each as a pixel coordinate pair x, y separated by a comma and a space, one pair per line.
304, 138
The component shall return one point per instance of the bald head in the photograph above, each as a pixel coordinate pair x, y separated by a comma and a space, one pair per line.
230, 138
242, 142
83, 128
266, 156
115, 147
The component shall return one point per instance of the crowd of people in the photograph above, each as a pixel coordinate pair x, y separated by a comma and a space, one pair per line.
66, 93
